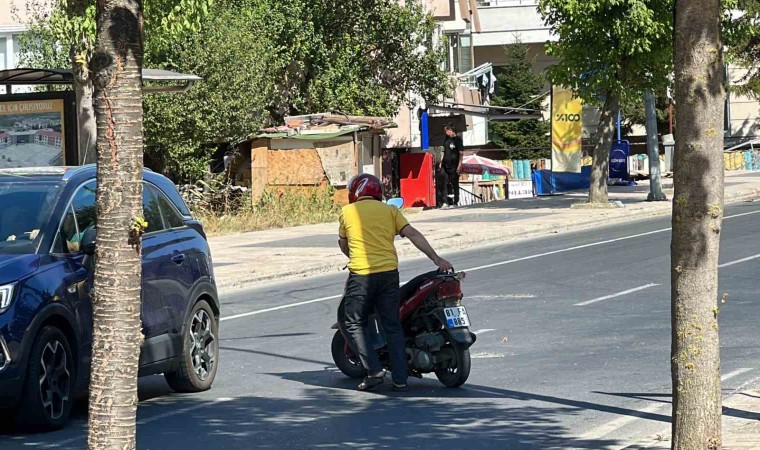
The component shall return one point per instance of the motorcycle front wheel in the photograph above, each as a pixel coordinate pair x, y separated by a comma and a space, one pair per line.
459, 370
351, 366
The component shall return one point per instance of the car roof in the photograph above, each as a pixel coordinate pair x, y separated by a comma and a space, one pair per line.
79, 174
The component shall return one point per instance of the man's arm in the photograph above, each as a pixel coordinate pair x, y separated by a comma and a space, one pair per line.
460, 149
343, 244
423, 245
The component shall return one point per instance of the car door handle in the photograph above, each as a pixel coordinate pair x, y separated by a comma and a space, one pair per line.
179, 258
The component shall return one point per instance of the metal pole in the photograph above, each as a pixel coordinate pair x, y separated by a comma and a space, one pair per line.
653, 149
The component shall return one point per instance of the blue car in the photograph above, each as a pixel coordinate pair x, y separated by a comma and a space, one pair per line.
47, 242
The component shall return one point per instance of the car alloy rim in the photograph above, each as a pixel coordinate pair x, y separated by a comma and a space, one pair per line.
203, 341
55, 379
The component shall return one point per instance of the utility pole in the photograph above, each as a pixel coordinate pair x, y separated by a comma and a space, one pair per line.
653, 149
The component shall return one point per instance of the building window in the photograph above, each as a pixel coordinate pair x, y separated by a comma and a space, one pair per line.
16, 51
3, 54
459, 53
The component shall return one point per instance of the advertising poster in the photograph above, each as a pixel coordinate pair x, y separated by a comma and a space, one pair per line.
567, 131
32, 133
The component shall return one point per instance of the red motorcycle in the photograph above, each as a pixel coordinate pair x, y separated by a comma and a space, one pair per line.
436, 328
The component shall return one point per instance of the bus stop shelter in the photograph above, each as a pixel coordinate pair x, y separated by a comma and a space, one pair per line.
39, 127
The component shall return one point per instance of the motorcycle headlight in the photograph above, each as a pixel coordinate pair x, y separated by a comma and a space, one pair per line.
6, 297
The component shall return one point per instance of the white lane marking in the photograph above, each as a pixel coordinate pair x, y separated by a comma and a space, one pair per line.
277, 308
488, 266
171, 413
593, 244
739, 261
616, 424
653, 408
484, 331
619, 294
735, 373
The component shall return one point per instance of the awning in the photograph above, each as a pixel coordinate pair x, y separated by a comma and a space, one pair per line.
492, 113
26, 77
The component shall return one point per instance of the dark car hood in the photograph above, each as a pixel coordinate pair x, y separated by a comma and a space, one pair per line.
15, 267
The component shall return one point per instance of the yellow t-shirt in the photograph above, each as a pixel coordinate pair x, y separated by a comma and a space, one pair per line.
370, 227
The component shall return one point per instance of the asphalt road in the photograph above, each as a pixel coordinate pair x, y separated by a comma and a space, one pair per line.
573, 352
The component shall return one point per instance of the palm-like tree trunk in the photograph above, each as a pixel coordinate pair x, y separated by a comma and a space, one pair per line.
116, 70
697, 221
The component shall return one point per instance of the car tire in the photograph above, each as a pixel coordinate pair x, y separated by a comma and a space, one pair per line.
48, 393
200, 352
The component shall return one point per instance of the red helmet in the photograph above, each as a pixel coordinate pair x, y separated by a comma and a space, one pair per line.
364, 185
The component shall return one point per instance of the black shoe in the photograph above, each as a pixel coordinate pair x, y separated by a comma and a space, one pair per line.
370, 382
400, 387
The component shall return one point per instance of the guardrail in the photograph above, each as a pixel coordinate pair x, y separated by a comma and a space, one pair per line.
467, 198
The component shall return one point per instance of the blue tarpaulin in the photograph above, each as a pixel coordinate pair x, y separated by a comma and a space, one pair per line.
544, 180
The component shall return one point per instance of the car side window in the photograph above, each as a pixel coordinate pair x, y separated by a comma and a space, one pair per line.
67, 239
171, 216
152, 210
79, 218
84, 207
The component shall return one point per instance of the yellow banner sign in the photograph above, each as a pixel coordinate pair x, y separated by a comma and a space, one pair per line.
567, 131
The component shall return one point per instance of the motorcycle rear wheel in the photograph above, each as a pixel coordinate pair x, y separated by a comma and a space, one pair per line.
457, 375
350, 366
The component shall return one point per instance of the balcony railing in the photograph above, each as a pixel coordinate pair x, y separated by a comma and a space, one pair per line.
497, 3
470, 78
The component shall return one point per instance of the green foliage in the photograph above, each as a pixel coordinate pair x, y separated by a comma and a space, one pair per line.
634, 113
606, 46
261, 60
741, 33
517, 85
54, 32
357, 56
225, 107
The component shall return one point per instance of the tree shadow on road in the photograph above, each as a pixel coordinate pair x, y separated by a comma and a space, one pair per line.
330, 418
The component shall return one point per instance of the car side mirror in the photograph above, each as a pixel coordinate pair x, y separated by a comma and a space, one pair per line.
88, 242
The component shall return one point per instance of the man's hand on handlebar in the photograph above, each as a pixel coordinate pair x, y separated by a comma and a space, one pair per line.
442, 264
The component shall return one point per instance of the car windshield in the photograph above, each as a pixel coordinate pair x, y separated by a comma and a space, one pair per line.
25, 207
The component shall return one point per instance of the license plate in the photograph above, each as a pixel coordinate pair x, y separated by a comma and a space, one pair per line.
456, 317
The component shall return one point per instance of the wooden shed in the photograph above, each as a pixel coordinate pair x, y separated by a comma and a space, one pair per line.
315, 151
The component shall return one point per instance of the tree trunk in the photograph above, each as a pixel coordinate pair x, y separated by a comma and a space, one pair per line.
116, 69
653, 150
600, 170
697, 221
86, 122
83, 90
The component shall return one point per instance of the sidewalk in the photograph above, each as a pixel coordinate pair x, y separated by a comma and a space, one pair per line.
249, 258
741, 425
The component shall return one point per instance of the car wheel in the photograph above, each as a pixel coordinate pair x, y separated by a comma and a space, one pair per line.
48, 388
200, 352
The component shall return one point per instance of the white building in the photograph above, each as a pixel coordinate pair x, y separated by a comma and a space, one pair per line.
10, 30
502, 21
458, 21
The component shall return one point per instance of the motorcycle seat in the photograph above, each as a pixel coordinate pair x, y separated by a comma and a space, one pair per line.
411, 287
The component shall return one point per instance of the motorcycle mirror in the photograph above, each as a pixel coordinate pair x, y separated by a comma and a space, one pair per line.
397, 202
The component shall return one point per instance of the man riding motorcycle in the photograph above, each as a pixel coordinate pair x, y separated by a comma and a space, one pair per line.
367, 231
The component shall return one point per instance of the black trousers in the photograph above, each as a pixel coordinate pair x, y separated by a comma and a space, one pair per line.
364, 295
447, 180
